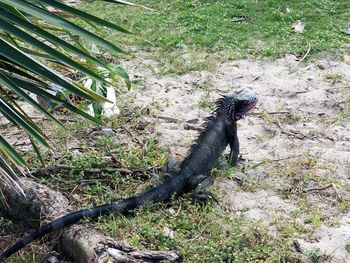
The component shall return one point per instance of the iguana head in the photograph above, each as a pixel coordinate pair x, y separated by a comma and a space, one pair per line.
237, 105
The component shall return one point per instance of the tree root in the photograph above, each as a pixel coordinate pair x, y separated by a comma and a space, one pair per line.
81, 241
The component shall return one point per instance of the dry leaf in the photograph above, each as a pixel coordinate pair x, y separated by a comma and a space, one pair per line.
346, 59
298, 27
168, 232
346, 31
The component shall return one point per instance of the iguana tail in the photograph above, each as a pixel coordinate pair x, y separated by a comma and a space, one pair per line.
172, 186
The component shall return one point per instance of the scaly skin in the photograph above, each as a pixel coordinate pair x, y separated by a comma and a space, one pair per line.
192, 173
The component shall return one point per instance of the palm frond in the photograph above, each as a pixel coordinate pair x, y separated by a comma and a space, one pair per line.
29, 47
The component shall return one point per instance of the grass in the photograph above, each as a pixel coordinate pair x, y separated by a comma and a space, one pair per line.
201, 233
241, 28
184, 33
333, 78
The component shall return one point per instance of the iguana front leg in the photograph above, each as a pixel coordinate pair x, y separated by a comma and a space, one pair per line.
234, 145
200, 183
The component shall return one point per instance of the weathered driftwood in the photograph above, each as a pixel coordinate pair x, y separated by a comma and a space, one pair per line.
81, 241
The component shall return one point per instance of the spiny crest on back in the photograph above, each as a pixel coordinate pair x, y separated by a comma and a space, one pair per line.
236, 105
233, 106
220, 105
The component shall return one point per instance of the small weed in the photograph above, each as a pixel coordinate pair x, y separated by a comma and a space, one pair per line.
87, 160
148, 156
309, 160
267, 118
347, 247
317, 219
206, 102
183, 63
106, 141
342, 205
333, 78
290, 118
202, 234
290, 228
344, 116
315, 255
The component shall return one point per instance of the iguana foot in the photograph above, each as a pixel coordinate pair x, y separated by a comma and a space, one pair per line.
200, 184
204, 198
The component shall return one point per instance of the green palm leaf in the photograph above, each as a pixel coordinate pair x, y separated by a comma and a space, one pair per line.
50, 37
12, 53
61, 22
83, 15
27, 35
40, 45
10, 152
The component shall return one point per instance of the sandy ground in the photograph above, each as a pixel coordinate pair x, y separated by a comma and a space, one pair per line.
295, 144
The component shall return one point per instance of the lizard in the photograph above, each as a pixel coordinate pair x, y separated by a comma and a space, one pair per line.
220, 130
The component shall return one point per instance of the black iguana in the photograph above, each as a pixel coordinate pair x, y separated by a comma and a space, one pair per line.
220, 130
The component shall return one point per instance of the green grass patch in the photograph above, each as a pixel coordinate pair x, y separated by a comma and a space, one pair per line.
201, 234
243, 28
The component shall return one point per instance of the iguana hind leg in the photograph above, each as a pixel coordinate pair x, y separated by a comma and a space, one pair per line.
200, 183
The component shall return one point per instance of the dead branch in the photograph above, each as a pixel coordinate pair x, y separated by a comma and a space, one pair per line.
166, 119
270, 113
156, 255
133, 137
192, 127
81, 242
318, 189
46, 171
49, 170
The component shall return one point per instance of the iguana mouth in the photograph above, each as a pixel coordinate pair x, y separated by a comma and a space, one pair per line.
244, 109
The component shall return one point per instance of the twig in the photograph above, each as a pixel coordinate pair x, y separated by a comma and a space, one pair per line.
257, 77
156, 256
336, 192
238, 180
318, 189
275, 160
294, 134
192, 127
240, 18
178, 211
166, 119
306, 91
307, 53
278, 123
57, 168
270, 113
91, 181
335, 88
285, 158
115, 159
133, 137
59, 118
283, 131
